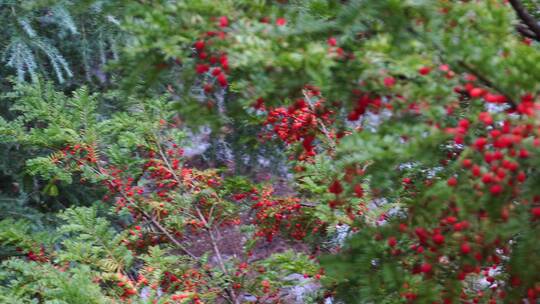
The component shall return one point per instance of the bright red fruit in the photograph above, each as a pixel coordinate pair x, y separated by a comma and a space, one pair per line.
216, 71
486, 118
493, 98
222, 79
476, 171
480, 143
464, 123
452, 181
335, 187
424, 70
392, 241
199, 45
332, 41
536, 212
495, 189
353, 116
438, 239
521, 176
465, 248
202, 68
389, 82
426, 268
523, 153
358, 190
223, 21
476, 92
487, 178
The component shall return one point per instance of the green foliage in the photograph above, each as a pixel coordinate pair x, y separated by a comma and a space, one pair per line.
30, 282
281, 265
361, 256
91, 245
91, 241
59, 38
383, 106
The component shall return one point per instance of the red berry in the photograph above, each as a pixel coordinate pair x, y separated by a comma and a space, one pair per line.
199, 45
451, 220
426, 268
487, 178
332, 41
335, 188
424, 70
354, 116
493, 98
392, 241
486, 118
223, 21
202, 68
438, 239
464, 123
452, 181
476, 92
465, 248
389, 82
535, 212
495, 189
476, 170
521, 176
402, 227
358, 190
222, 79
216, 71
480, 143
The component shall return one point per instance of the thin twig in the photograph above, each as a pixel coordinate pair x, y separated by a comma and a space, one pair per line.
155, 223
217, 252
487, 82
467, 67
230, 293
322, 126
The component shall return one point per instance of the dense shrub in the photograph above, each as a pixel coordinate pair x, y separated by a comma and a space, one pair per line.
390, 147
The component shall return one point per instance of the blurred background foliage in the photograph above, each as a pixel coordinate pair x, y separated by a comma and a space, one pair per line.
106, 72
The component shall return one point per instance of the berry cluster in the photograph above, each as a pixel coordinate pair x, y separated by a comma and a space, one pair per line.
301, 122
283, 215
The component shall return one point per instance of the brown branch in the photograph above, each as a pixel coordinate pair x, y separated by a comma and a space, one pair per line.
485, 81
230, 296
159, 227
525, 31
471, 70
229, 291
526, 18
217, 252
